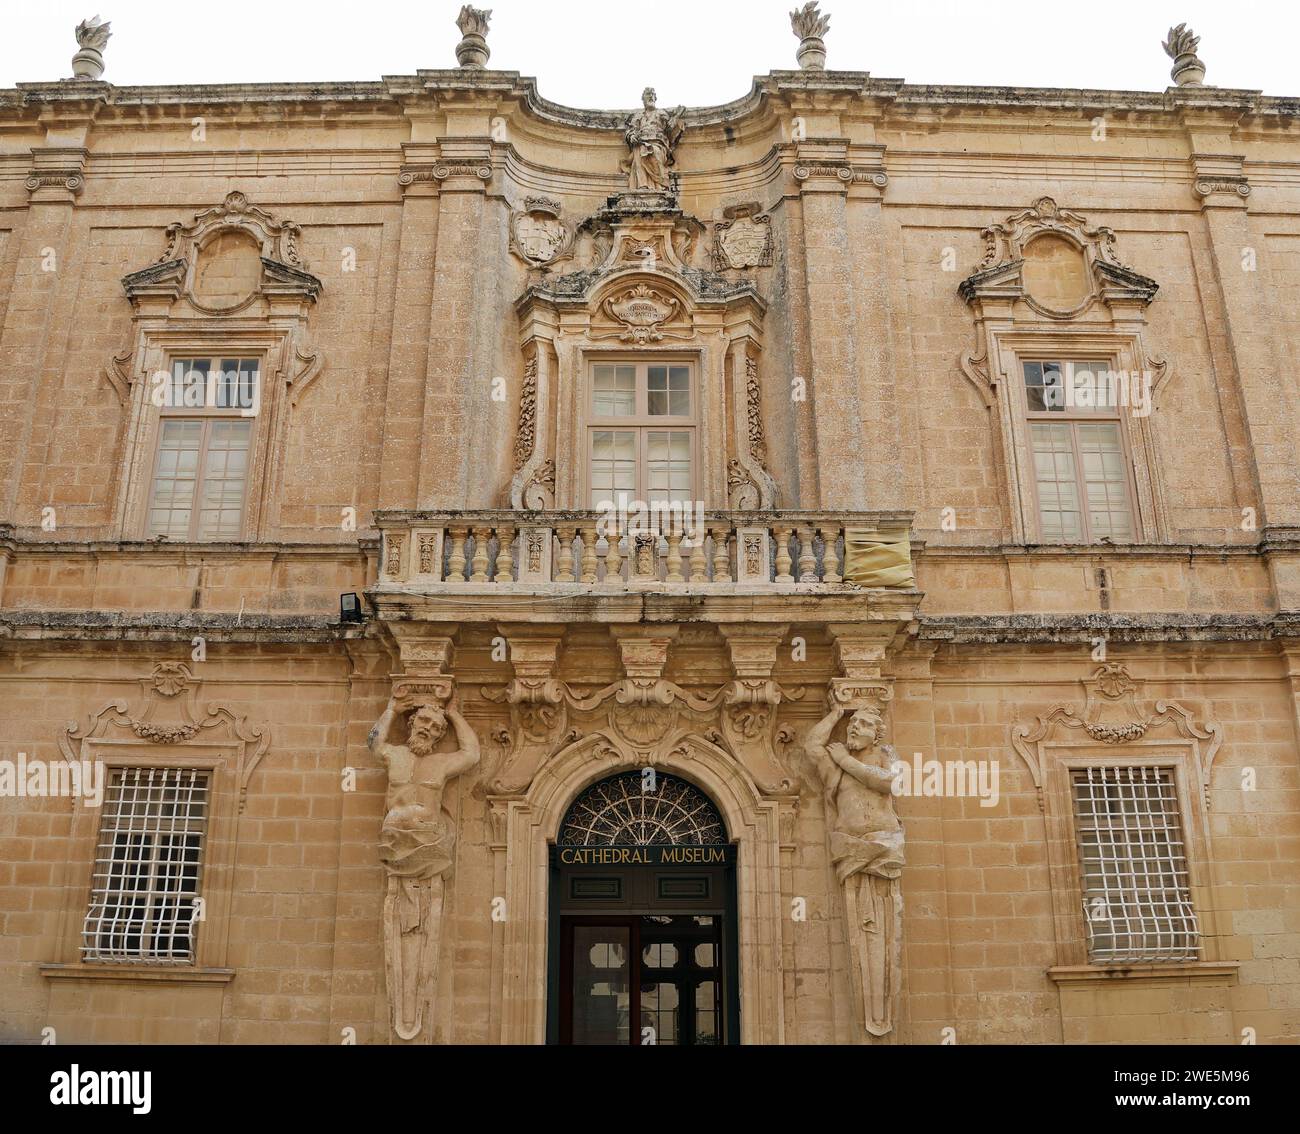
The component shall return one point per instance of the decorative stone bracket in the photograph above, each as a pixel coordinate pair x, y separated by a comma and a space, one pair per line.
643, 708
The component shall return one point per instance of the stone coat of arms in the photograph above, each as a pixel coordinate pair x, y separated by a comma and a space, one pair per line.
537, 235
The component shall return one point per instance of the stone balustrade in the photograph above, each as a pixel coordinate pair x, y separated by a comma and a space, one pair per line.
717, 550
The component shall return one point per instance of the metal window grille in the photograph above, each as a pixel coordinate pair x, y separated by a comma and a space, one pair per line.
1137, 901
148, 864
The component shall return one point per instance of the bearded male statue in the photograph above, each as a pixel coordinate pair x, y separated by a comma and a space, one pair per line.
866, 844
416, 845
651, 135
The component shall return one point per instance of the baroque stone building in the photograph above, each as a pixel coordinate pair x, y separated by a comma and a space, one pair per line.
828, 564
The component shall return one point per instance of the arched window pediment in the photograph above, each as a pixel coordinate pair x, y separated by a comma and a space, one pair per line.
228, 257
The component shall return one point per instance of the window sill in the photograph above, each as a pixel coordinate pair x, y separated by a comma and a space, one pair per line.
1217, 972
164, 974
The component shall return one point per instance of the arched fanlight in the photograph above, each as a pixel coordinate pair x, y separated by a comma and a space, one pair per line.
623, 811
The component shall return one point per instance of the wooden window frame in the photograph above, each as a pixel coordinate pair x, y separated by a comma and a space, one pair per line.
1009, 348
1074, 417
641, 422
207, 414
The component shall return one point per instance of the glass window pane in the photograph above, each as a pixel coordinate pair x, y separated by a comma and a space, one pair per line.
1058, 489
221, 511
1106, 481
175, 478
601, 976
668, 465
1053, 395
613, 390
707, 1011
189, 387
613, 466
660, 1006
657, 390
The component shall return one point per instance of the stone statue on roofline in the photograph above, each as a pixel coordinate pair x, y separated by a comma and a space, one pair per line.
651, 135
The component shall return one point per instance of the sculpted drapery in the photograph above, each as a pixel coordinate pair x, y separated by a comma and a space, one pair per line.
651, 135
866, 846
416, 845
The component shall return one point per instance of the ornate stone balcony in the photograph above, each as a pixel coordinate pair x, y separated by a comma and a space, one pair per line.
717, 564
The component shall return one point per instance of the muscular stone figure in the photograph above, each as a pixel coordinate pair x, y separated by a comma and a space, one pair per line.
866, 844
416, 845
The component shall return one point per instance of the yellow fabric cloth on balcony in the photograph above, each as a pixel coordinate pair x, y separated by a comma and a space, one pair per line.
872, 562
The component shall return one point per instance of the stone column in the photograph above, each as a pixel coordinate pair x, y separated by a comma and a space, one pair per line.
412, 313
455, 461
875, 251
834, 345
1220, 183
42, 261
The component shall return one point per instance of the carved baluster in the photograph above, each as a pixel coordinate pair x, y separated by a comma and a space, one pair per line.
505, 572
613, 556
721, 554
830, 558
480, 561
699, 564
564, 563
456, 564
807, 560
674, 561
783, 560
589, 560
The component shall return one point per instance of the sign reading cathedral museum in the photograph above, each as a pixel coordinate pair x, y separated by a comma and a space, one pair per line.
666, 854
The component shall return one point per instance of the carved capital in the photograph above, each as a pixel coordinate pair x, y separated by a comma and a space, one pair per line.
58, 173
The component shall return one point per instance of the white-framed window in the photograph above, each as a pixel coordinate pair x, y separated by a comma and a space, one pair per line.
199, 486
148, 866
1082, 472
641, 437
1133, 865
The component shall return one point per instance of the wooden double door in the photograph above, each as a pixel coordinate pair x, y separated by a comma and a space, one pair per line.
642, 980
643, 954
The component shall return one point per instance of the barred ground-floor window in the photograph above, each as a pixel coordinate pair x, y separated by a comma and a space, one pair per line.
1133, 861
148, 867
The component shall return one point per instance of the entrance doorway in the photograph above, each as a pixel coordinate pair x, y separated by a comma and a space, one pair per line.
643, 940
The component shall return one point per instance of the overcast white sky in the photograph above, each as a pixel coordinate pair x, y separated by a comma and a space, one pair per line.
600, 53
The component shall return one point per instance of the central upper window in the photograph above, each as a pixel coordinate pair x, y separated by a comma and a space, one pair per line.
208, 407
1081, 465
642, 440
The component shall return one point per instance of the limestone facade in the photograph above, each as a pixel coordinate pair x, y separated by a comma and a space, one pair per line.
852, 270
